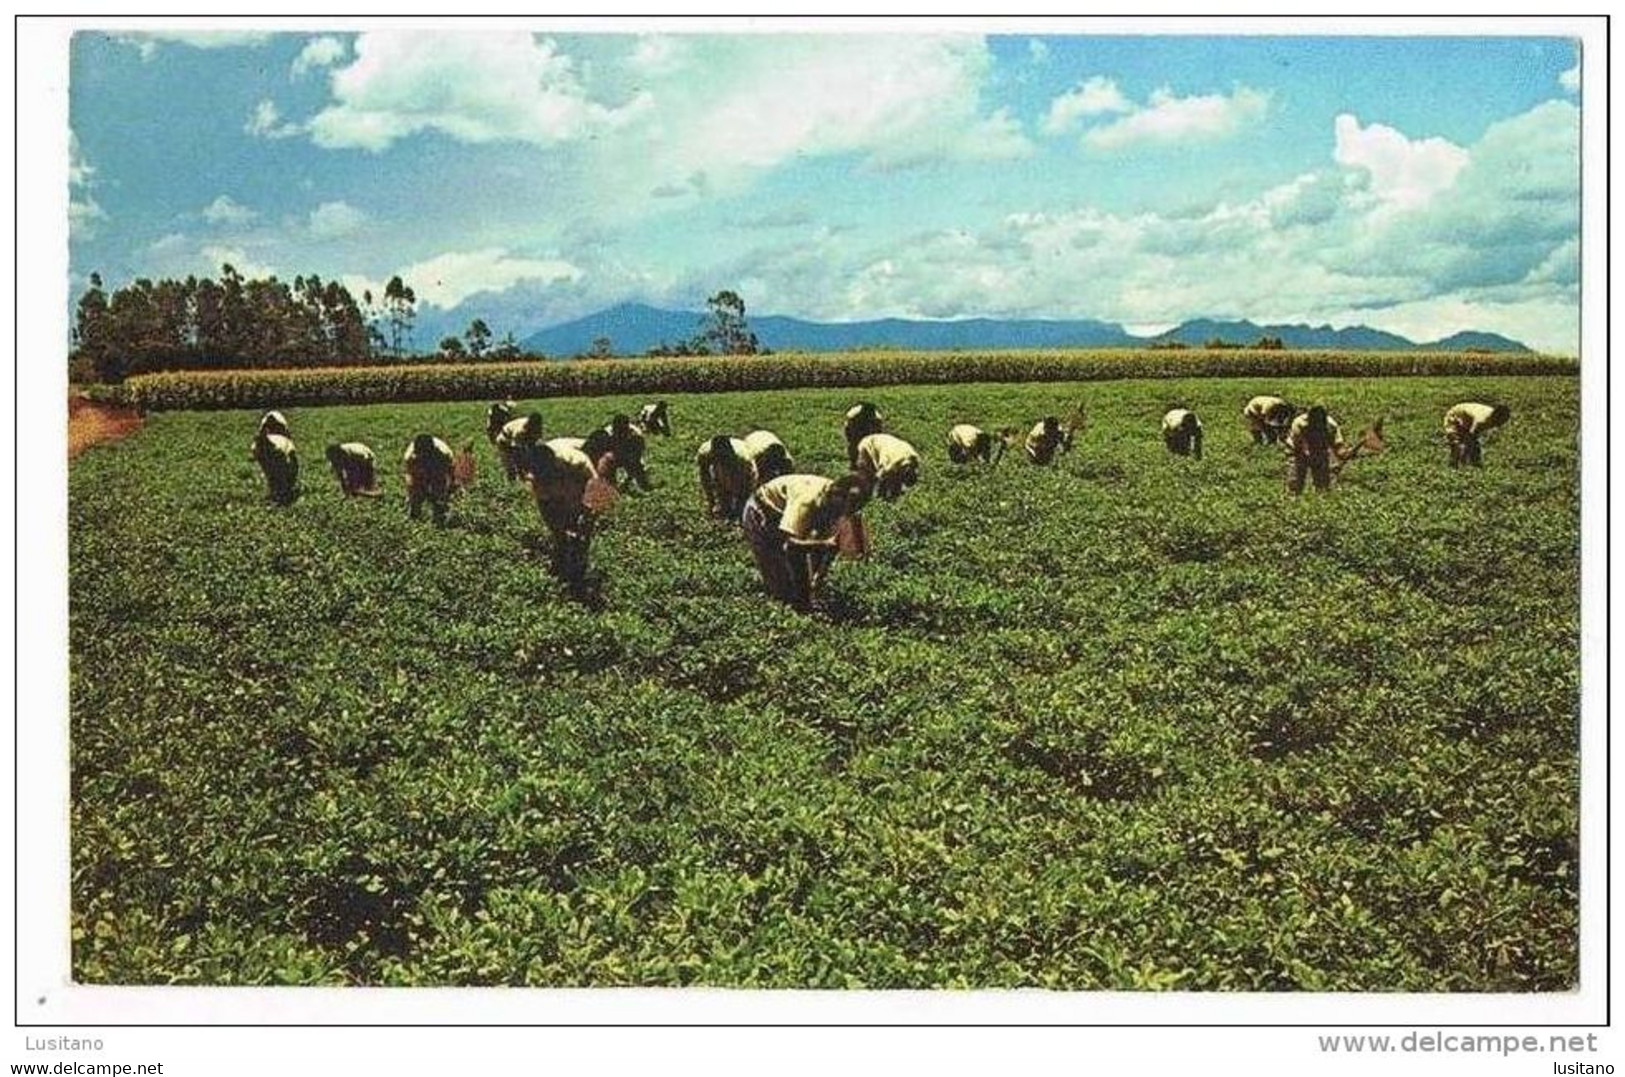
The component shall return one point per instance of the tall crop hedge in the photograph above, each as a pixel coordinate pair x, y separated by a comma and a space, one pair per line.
207, 390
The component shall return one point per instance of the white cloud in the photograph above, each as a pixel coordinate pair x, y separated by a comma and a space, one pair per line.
79, 170
1169, 119
214, 256
1037, 50
1094, 97
266, 122
474, 87
1561, 266
224, 210
1570, 79
320, 52
147, 43
1141, 268
167, 244
995, 137
1309, 199
1543, 324
742, 105
1498, 254
1513, 201
727, 107
83, 213
447, 279
1405, 173
658, 54
83, 210
331, 220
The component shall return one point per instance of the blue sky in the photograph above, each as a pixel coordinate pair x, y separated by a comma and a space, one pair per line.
1422, 185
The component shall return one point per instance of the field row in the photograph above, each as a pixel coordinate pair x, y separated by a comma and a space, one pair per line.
1131, 722
211, 390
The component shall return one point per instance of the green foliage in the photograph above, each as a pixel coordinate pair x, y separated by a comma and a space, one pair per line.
1132, 722
478, 337
725, 331
192, 390
195, 324
400, 310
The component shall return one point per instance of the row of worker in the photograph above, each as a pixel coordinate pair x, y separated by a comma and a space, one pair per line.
794, 522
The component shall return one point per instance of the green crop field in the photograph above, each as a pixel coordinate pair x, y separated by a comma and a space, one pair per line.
197, 390
1132, 722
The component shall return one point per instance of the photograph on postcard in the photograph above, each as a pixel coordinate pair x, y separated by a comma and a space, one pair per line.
824, 510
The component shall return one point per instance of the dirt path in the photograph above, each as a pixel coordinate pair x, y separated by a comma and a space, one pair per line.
91, 424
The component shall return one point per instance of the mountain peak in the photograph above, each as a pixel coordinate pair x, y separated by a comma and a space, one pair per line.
1475, 340
633, 328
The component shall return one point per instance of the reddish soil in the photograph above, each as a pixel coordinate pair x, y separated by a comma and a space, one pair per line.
91, 424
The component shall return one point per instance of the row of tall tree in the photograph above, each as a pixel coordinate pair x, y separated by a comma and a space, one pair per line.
233, 322
236, 322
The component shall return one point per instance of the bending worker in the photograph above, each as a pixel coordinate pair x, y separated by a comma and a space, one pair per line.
1312, 441
1465, 425
890, 463
794, 523
1182, 433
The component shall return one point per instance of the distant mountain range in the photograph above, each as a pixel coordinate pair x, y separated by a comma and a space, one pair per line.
634, 328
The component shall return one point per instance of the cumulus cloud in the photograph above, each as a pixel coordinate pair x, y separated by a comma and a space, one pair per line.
994, 137
1141, 268
225, 210
448, 279
1404, 172
728, 107
319, 52
740, 105
1561, 266
474, 87
330, 220
1167, 118
1542, 323
1500, 253
266, 122
214, 256
1310, 199
1513, 200
1091, 98
1570, 79
1037, 50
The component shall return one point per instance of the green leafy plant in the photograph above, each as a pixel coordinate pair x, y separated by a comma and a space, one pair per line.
1132, 722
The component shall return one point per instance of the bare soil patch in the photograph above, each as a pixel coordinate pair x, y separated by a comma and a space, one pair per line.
91, 424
